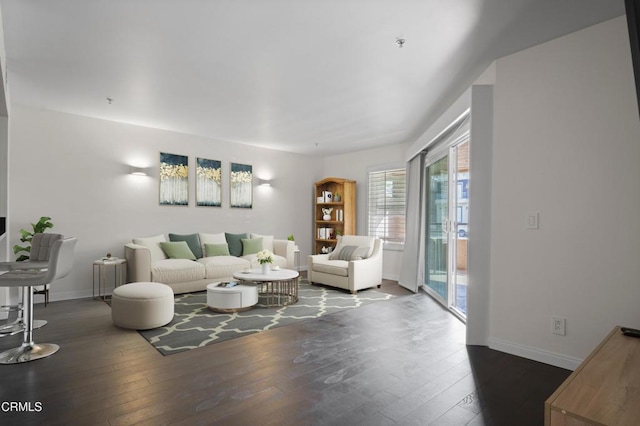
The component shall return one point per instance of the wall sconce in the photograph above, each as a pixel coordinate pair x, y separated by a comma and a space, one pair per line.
137, 171
264, 182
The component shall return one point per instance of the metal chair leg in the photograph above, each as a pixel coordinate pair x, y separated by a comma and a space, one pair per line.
17, 326
28, 351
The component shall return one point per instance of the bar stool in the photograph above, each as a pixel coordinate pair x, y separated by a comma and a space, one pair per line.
41, 245
59, 266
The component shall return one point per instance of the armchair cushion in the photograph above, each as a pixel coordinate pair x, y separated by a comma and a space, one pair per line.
350, 253
333, 267
153, 244
361, 241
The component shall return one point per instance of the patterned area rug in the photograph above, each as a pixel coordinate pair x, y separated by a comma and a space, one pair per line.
195, 326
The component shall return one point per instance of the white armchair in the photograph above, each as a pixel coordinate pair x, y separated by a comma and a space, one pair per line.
355, 264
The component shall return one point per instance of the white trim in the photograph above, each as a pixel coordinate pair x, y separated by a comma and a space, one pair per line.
396, 165
535, 354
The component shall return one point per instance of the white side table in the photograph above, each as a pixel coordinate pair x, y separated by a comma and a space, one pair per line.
101, 271
296, 259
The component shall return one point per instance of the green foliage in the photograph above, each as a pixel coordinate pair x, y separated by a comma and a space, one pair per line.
290, 237
26, 236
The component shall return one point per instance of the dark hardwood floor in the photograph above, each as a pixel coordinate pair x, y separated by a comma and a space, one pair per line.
402, 361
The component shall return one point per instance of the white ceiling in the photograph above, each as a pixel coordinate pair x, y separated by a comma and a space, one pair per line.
305, 76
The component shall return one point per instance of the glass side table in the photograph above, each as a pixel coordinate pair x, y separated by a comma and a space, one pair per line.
102, 269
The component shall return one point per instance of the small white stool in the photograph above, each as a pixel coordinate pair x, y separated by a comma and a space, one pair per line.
142, 306
231, 299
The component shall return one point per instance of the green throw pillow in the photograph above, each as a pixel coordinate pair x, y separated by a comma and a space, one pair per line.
178, 250
192, 240
251, 246
216, 250
235, 243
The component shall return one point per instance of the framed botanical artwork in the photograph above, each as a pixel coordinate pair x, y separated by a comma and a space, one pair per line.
241, 184
174, 180
208, 182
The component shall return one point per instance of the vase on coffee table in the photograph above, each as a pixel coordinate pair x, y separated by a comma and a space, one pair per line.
266, 267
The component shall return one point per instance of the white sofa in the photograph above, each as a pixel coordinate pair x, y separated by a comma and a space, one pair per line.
358, 267
147, 262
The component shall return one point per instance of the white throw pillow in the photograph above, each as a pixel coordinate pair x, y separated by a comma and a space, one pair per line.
153, 244
267, 241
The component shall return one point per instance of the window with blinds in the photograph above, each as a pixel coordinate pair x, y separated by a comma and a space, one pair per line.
387, 203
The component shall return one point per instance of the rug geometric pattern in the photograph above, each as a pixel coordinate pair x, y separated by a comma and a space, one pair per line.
195, 326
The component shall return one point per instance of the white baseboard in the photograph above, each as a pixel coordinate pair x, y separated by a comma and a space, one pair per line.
391, 277
66, 295
535, 354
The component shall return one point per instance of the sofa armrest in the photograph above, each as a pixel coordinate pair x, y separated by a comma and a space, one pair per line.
138, 263
366, 272
285, 249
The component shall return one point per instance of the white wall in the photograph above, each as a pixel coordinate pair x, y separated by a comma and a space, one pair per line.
355, 166
75, 169
567, 145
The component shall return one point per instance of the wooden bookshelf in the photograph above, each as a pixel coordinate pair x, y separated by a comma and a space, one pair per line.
326, 231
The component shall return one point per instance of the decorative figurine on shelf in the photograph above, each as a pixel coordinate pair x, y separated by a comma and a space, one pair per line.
327, 213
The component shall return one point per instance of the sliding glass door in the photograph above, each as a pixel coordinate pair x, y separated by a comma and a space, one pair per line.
447, 217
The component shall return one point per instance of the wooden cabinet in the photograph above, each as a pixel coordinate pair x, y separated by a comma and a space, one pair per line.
604, 389
341, 218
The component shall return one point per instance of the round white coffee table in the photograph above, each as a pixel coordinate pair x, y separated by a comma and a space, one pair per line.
240, 297
278, 288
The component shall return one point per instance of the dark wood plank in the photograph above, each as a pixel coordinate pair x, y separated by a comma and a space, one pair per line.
402, 361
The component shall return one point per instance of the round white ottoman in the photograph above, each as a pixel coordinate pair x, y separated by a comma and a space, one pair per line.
233, 299
142, 306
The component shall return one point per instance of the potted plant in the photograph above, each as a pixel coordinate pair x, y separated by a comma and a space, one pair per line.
26, 236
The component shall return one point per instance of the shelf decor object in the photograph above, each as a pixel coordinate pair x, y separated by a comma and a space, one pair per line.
241, 182
174, 180
208, 183
333, 217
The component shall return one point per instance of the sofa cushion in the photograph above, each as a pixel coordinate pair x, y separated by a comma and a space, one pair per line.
223, 266
216, 250
177, 250
354, 240
192, 240
267, 241
171, 271
152, 243
235, 243
333, 267
251, 246
211, 239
